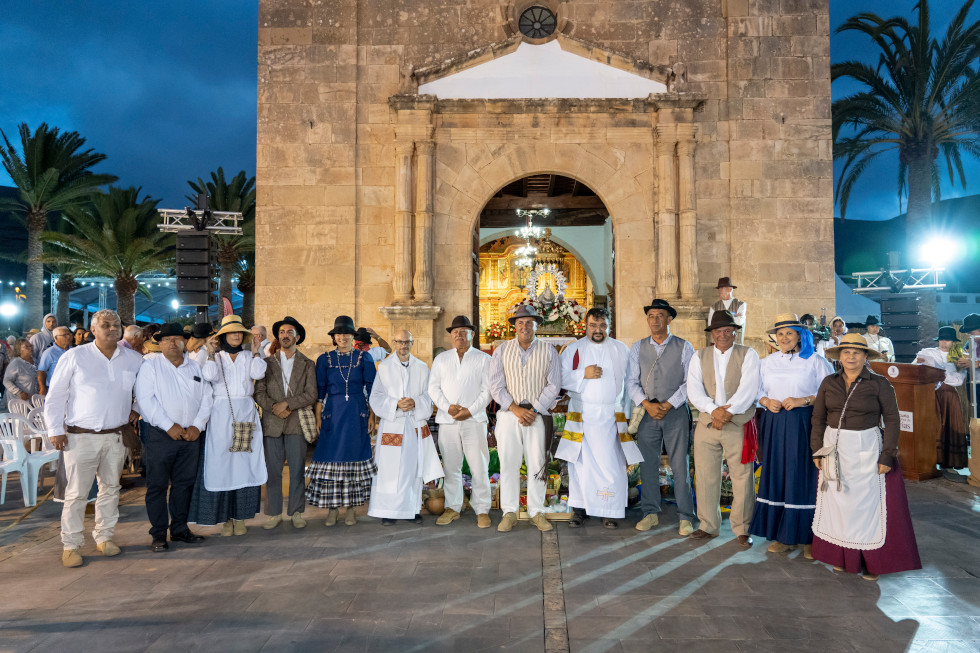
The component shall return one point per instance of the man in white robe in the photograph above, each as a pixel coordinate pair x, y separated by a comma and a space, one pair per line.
405, 454
595, 443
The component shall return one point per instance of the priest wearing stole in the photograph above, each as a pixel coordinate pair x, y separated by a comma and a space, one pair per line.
405, 455
595, 442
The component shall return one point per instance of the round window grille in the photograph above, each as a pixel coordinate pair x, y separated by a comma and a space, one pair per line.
537, 22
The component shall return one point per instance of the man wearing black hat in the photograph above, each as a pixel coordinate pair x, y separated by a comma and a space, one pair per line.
727, 302
876, 341
971, 327
175, 401
656, 381
459, 385
722, 383
362, 341
289, 386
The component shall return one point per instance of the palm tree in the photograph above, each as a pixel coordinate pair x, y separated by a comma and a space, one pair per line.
53, 174
921, 99
116, 235
235, 195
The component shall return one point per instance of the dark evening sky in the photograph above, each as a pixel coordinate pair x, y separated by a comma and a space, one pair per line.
167, 89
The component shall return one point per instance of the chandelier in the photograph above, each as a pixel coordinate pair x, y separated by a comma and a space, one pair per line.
526, 254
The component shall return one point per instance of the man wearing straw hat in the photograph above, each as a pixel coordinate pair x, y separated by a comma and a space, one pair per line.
525, 379
722, 383
175, 401
727, 302
459, 385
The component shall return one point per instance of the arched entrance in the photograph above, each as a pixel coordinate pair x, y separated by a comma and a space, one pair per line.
571, 269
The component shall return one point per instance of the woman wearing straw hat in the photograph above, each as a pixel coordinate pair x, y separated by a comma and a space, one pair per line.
951, 451
232, 469
862, 523
342, 467
790, 378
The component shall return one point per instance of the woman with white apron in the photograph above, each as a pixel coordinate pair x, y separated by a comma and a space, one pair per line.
862, 523
232, 470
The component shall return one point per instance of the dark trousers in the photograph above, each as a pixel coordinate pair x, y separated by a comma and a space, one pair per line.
292, 449
169, 463
672, 433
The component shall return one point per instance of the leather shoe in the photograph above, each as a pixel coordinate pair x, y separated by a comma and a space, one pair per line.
577, 519
159, 546
418, 519
187, 538
387, 522
610, 523
744, 541
702, 535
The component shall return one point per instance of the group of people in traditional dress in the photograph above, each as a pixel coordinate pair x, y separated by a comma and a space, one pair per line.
830, 477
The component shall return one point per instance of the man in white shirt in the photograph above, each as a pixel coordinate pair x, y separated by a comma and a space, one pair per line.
459, 385
595, 443
261, 335
722, 383
175, 401
405, 455
89, 402
727, 302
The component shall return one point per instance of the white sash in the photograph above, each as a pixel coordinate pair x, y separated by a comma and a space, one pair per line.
854, 516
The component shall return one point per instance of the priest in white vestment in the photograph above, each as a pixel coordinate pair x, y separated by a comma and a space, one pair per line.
405, 454
595, 442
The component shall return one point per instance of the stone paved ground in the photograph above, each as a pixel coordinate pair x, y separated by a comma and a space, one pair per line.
457, 588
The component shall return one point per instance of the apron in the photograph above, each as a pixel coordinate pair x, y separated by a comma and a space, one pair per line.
853, 516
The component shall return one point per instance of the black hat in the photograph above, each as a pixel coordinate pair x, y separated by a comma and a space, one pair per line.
970, 323
725, 282
300, 331
872, 319
662, 304
721, 319
525, 310
343, 324
201, 330
947, 333
170, 329
460, 321
362, 335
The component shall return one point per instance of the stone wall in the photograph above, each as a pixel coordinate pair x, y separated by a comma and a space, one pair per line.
326, 153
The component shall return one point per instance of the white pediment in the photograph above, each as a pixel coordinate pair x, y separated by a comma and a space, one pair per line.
541, 71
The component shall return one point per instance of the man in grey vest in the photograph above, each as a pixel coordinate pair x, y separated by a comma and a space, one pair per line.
722, 383
656, 380
727, 302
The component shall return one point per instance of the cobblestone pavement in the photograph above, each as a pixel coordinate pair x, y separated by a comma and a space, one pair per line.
459, 588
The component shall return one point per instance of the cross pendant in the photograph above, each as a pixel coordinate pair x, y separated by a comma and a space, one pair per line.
346, 397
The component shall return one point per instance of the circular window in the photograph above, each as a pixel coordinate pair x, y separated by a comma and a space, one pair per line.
537, 22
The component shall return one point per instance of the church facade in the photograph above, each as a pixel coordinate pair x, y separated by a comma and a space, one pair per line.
385, 128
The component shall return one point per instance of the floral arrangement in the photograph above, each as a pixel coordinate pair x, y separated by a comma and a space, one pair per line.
498, 330
560, 309
578, 328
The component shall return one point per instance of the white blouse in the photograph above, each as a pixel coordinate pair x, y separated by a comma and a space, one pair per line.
935, 357
239, 374
788, 375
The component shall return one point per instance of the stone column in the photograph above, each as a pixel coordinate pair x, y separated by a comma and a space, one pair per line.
402, 278
667, 215
424, 190
688, 211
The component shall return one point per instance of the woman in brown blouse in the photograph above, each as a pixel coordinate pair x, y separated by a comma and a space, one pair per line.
862, 523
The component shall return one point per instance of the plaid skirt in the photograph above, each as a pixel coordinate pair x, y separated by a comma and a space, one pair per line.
339, 485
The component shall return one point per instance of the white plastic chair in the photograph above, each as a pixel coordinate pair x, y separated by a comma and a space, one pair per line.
14, 429
14, 458
37, 401
18, 406
36, 418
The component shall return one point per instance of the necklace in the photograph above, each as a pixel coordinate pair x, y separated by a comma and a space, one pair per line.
350, 366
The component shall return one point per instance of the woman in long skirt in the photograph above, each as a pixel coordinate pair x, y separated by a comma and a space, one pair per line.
343, 465
229, 483
951, 446
790, 379
862, 523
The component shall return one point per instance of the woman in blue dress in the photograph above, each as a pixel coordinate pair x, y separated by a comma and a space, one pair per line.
789, 380
343, 464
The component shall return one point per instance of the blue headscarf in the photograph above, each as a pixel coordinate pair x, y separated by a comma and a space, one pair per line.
806, 341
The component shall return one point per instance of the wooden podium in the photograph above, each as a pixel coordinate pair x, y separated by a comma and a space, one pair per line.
915, 387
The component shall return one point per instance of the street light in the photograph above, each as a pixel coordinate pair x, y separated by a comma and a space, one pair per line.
939, 251
8, 310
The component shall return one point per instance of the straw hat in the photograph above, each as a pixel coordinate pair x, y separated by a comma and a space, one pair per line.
233, 324
785, 320
852, 341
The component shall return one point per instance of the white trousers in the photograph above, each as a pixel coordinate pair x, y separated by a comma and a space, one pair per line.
466, 438
89, 456
514, 443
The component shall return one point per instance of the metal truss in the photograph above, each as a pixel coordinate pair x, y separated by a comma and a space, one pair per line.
218, 222
899, 280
